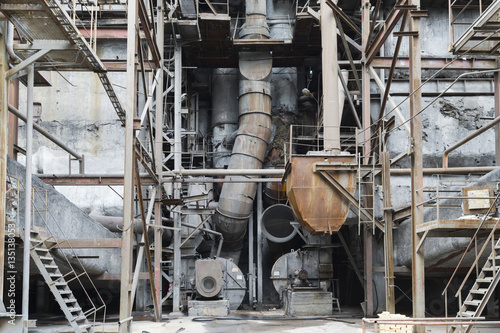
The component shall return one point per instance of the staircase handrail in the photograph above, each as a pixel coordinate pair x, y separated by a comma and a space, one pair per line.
70, 247
469, 245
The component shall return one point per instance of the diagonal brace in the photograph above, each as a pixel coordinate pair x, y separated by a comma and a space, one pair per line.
351, 198
26, 62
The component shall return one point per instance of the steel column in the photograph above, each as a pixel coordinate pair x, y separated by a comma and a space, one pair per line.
260, 209
27, 187
368, 263
331, 112
177, 186
388, 240
3, 152
251, 276
417, 217
497, 114
160, 40
128, 188
366, 80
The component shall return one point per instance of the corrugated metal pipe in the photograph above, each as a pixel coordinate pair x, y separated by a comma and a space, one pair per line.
249, 150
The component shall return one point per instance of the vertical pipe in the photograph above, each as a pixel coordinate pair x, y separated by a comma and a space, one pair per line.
3, 150
329, 64
497, 113
128, 183
13, 88
177, 108
250, 260
177, 186
27, 206
366, 81
368, 256
388, 239
159, 158
417, 217
260, 209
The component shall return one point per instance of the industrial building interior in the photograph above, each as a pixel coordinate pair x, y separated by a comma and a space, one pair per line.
323, 159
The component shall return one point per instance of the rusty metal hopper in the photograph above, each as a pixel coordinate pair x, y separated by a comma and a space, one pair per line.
317, 205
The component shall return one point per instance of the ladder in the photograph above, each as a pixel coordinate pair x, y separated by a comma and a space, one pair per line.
58, 285
366, 192
483, 288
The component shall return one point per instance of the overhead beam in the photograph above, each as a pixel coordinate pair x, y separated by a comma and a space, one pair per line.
438, 63
338, 11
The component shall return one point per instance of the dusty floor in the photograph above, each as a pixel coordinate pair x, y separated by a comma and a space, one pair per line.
243, 322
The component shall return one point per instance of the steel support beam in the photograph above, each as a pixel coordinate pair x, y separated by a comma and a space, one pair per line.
497, 114
26, 62
158, 151
177, 187
27, 188
128, 189
388, 240
384, 33
260, 209
417, 217
365, 138
437, 63
330, 98
3, 150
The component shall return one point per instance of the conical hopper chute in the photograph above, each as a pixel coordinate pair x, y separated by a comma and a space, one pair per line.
317, 204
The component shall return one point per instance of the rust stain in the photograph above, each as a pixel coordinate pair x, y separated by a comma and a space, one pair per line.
318, 206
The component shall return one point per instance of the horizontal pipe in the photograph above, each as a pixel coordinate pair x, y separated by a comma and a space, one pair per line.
46, 134
451, 171
468, 138
226, 172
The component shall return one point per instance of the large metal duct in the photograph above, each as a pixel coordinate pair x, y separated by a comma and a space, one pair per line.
224, 113
236, 200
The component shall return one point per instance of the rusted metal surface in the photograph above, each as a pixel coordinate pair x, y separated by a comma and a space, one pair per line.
317, 206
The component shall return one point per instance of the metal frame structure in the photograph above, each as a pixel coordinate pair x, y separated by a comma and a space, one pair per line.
155, 65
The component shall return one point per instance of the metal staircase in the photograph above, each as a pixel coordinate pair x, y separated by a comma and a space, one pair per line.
58, 284
486, 281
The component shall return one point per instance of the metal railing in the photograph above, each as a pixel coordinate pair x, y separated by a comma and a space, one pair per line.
474, 266
79, 276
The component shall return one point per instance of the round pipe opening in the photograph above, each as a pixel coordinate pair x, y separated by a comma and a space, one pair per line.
276, 224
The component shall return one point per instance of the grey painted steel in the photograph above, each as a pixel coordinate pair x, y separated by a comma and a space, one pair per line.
316, 262
260, 208
28, 182
224, 113
251, 276
233, 171
58, 286
276, 224
254, 133
208, 277
176, 302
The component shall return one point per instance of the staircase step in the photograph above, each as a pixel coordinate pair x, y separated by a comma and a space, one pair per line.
55, 275
65, 292
41, 249
70, 300
485, 280
60, 283
480, 291
51, 266
79, 318
468, 314
473, 302
46, 258
74, 309
491, 269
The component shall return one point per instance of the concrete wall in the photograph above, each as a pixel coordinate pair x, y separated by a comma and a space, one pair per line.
77, 110
65, 221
